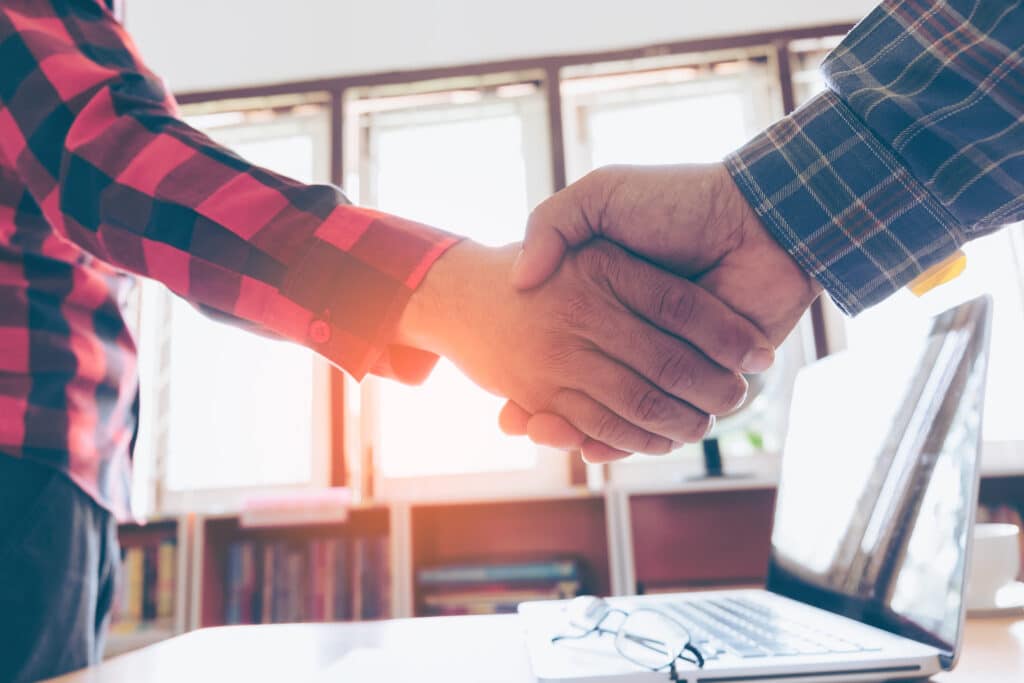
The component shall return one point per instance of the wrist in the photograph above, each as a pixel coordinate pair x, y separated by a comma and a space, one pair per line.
440, 311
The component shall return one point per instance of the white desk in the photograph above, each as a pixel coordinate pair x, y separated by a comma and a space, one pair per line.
452, 649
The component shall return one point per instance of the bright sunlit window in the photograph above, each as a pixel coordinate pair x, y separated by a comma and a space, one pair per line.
993, 267
806, 57
474, 162
665, 110
230, 410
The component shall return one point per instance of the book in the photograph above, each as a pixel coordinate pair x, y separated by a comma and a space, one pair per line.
146, 593
357, 565
267, 589
167, 566
496, 587
543, 570
320, 579
342, 586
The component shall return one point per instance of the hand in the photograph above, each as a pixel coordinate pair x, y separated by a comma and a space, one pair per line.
691, 219
600, 344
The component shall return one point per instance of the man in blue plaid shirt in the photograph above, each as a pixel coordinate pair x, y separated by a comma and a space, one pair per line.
915, 147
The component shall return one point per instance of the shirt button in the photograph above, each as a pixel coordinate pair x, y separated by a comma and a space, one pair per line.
319, 332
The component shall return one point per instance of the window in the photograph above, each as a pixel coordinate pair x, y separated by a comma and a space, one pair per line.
471, 157
227, 412
471, 154
684, 108
993, 267
806, 57
693, 108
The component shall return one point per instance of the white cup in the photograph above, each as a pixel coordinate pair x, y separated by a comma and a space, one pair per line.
995, 564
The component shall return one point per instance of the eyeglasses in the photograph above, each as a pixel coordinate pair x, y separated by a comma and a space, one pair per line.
645, 636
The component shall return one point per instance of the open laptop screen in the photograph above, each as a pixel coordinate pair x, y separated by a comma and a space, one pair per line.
879, 480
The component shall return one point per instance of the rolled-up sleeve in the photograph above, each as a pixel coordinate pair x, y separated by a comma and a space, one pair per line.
915, 147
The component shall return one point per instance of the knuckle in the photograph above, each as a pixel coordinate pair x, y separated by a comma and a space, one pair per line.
677, 304
579, 312
676, 373
649, 405
597, 257
735, 340
610, 429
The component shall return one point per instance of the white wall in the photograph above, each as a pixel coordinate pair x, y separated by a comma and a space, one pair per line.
205, 44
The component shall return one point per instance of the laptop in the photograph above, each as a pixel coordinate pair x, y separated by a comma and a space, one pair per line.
870, 540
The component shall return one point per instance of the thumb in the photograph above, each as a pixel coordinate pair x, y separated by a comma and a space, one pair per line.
542, 252
556, 225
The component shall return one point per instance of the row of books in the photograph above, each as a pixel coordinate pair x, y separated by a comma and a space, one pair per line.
147, 589
496, 587
324, 579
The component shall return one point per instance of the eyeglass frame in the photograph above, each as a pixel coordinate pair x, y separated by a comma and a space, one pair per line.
600, 630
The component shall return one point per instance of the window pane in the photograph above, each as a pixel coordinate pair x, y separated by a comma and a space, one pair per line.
806, 58
239, 407
993, 268
665, 111
696, 129
482, 156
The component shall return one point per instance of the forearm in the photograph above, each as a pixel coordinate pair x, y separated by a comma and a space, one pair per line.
98, 144
912, 151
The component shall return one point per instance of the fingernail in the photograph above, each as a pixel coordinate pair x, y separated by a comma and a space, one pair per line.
711, 425
757, 360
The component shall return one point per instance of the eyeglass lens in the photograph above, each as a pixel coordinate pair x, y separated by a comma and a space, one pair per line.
651, 639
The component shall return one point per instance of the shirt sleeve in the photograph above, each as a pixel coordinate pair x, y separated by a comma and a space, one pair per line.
915, 147
97, 140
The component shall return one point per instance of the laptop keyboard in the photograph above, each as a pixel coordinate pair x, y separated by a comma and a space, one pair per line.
748, 627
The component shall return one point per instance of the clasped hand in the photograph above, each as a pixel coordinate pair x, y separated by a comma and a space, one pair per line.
597, 348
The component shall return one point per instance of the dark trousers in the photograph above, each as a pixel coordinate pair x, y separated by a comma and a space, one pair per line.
59, 564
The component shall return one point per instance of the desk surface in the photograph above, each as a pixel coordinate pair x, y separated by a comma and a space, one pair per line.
453, 649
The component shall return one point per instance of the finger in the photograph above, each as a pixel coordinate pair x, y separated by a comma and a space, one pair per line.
554, 226
634, 398
670, 364
598, 453
551, 430
513, 419
689, 312
601, 424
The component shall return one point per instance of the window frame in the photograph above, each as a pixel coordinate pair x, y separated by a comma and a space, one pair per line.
151, 495
349, 467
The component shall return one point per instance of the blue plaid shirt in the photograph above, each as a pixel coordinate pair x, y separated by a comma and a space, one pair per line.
915, 147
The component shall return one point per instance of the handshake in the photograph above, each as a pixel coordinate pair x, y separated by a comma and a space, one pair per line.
624, 321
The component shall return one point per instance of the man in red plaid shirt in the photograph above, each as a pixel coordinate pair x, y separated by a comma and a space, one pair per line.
99, 179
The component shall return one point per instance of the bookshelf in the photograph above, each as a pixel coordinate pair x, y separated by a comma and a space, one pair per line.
286, 551
686, 535
151, 604
574, 526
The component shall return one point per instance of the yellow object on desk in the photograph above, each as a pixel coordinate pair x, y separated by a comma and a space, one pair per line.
939, 274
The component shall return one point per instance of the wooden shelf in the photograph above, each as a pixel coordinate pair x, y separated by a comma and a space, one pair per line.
713, 538
120, 643
565, 527
688, 534
220, 531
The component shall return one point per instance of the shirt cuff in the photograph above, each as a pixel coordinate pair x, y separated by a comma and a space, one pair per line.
843, 204
345, 294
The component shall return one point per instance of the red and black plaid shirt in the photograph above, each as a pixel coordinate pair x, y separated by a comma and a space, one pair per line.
99, 179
